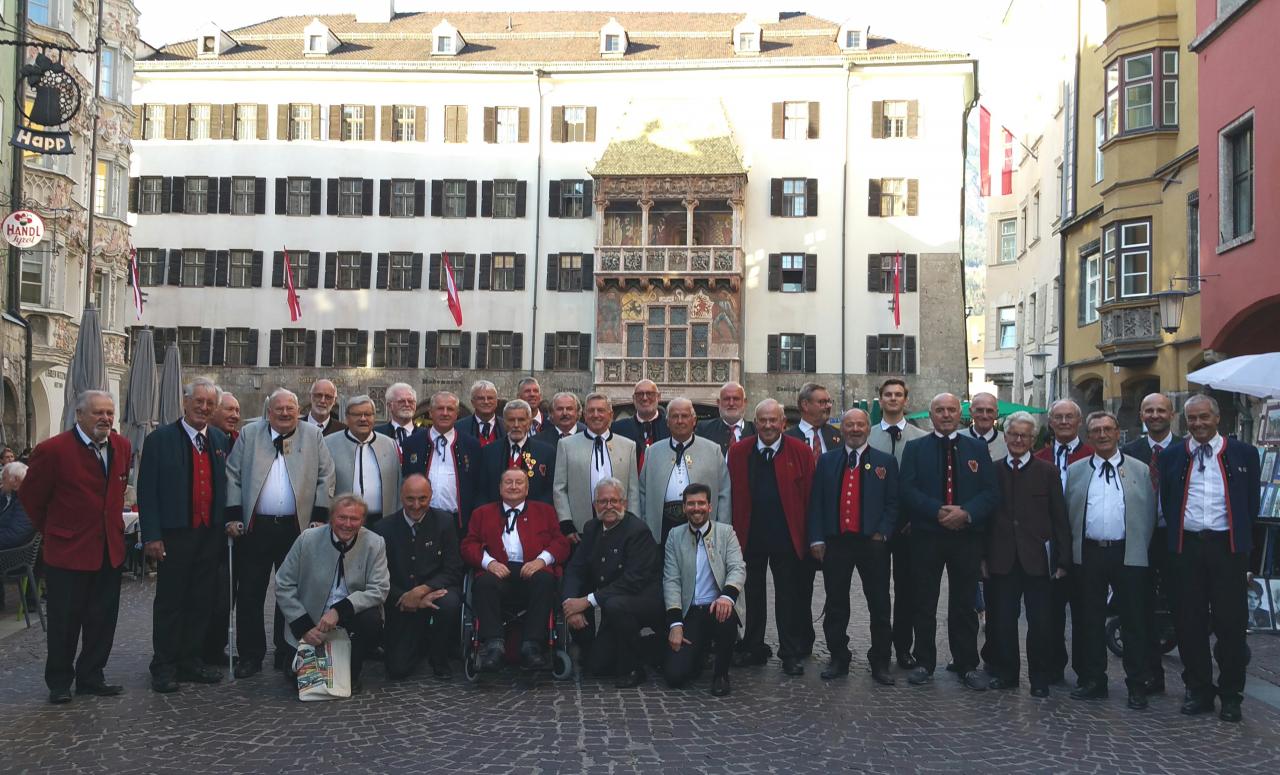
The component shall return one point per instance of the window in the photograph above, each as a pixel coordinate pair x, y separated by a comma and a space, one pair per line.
315, 43
501, 351
455, 123
352, 122
242, 195
402, 199
1142, 92
208, 45
192, 275
1235, 182
455, 199
153, 123
39, 12
504, 272
1108, 265
195, 200
1008, 328
444, 44
405, 126
1091, 287
1035, 217
300, 122
893, 197
459, 262
572, 199
298, 197
612, 44
1061, 188
109, 181
891, 355
348, 271
449, 349
347, 352
570, 278
1022, 233
795, 119
400, 272
793, 197
1132, 256
1138, 108
1169, 88
1113, 99
350, 196
747, 41
566, 351
504, 198
150, 189
240, 348
300, 268
247, 122
150, 267
399, 349
508, 130
1008, 240
107, 84
895, 118
1030, 320
33, 272
1193, 240
189, 345
293, 347
1099, 137
853, 39
791, 352
635, 340
198, 122
575, 124
792, 273
240, 269
667, 332
881, 273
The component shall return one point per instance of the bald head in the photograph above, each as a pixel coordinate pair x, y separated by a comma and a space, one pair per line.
984, 409
770, 417
1064, 419
681, 419
324, 394
1157, 415
855, 426
944, 413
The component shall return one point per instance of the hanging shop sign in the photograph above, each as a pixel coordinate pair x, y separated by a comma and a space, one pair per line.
23, 229
56, 102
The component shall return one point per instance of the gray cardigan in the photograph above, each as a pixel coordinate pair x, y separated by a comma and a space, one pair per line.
306, 578
1139, 506
680, 567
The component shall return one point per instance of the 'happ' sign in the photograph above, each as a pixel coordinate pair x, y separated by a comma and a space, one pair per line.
23, 229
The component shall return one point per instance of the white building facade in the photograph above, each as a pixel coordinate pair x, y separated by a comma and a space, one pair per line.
692, 198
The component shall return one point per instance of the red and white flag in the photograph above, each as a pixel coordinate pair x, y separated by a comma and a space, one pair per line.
897, 290
295, 304
455, 303
137, 291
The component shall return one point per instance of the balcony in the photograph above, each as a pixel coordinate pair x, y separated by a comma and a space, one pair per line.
1129, 331
709, 261
673, 374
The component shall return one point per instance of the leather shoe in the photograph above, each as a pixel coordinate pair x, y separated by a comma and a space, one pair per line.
1230, 711
1040, 691
99, 690
1137, 699
920, 676
531, 656
952, 667
1195, 704
835, 668
491, 657
881, 675
1090, 690
630, 680
975, 680
164, 684
199, 675
247, 669
999, 684
750, 658
792, 667
907, 662
720, 686
441, 669
59, 696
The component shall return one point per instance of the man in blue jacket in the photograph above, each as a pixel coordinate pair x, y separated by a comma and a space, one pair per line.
182, 488
948, 492
1210, 496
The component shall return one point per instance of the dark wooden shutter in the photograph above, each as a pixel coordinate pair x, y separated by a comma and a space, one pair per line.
810, 272
420, 123
133, 195
273, 356
415, 344
210, 279
588, 197
873, 354
522, 196
549, 351
491, 125
553, 271
379, 349
366, 196
517, 351
913, 118
909, 354
166, 194
326, 347
362, 349
222, 275
260, 125
331, 200
385, 133
469, 272
910, 262
255, 274
316, 185
282, 122
591, 124
282, 196
437, 198
877, 119
584, 352
772, 357
482, 350
813, 121
471, 199
486, 199
519, 272
588, 271
251, 358
779, 120
873, 197
335, 122
553, 199
384, 197
810, 354
219, 196
433, 344
218, 356
913, 196
486, 272
415, 279
419, 198
331, 270
175, 267
557, 129
277, 269
309, 358
366, 270
811, 197
875, 274
259, 196
179, 199
384, 270
313, 270
775, 196
433, 273
775, 271
206, 346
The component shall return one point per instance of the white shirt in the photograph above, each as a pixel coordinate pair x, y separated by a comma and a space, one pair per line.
192, 433
1063, 460
600, 469
1206, 493
408, 430
735, 429
442, 474
808, 431
276, 497
776, 446
705, 589
679, 478
1104, 509
900, 424
318, 423
950, 435
511, 541
371, 488
535, 424
101, 452
1022, 461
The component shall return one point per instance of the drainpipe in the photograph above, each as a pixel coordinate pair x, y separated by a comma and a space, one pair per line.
964, 158
1058, 393
537, 234
93, 157
14, 300
844, 231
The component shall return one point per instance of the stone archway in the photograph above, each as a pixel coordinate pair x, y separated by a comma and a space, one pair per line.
12, 419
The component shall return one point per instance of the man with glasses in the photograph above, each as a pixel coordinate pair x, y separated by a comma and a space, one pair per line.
984, 409
364, 462
483, 424
324, 394
584, 459
649, 425
450, 460
402, 406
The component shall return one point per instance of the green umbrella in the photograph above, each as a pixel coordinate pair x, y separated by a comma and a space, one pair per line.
1005, 409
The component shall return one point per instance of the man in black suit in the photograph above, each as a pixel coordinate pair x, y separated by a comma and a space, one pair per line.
426, 571
182, 491
730, 427
852, 514
614, 578
1157, 416
519, 450
324, 394
450, 460
949, 492
529, 391
649, 423
483, 424
402, 407
566, 415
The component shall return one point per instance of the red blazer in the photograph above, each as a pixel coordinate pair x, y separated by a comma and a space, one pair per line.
1045, 453
539, 530
77, 508
794, 469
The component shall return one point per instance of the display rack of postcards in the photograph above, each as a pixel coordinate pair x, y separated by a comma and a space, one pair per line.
1264, 589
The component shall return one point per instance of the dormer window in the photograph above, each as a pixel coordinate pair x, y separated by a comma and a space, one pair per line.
613, 40
318, 39
208, 45
746, 37
211, 41
612, 44
444, 44
853, 39
746, 41
446, 40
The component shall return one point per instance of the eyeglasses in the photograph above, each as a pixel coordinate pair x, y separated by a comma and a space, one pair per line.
610, 501
1023, 436
645, 394
361, 415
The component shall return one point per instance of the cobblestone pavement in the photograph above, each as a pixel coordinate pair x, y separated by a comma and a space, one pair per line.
521, 724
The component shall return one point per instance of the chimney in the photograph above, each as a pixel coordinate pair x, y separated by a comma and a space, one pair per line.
375, 11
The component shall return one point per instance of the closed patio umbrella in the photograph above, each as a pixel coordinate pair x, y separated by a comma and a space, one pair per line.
170, 387
140, 402
87, 370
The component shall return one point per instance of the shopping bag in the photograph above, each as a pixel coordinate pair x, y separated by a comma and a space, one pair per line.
324, 671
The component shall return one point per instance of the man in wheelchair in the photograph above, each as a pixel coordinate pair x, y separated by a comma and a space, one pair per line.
517, 546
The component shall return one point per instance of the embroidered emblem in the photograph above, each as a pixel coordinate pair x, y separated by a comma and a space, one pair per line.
881, 471
973, 466
413, 458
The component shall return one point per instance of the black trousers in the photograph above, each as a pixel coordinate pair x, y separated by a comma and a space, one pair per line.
411, 634
365, 631
1062, 595
1102, 567
705, 634
82, 611
1006, 595
1159, 585
903, 593
215, 634
184, 597
614, 648
1211, 598
257, 554
792, 601
535, 596
672, 518
960, 554
846, 552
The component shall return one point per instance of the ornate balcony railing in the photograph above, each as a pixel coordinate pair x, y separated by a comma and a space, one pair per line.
1129, 331
708, 260
667, 371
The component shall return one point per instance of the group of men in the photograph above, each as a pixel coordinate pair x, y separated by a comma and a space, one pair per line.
653, 522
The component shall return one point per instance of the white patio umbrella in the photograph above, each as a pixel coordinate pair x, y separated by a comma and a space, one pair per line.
87, 369
1254, 375
170, 408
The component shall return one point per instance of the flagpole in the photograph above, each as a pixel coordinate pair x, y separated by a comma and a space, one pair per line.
93, 157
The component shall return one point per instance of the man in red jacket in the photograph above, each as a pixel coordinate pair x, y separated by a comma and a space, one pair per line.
74, 494
771, 475
518, 546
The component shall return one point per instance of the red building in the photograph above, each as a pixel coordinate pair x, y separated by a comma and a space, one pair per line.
1239, 176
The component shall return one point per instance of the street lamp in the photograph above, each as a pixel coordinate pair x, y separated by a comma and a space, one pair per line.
1171, 302
1038, 360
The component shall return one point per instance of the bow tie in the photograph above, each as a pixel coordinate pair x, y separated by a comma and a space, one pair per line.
597, 448
512, 515
1202, 454
342, 548
279, 441
679, 448
1108, 471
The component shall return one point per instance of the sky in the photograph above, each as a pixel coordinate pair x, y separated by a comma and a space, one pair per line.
945, 24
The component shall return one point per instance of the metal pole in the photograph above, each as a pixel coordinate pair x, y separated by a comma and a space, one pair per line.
231, 609
93, 156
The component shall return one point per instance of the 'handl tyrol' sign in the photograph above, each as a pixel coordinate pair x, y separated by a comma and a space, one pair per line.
23, 229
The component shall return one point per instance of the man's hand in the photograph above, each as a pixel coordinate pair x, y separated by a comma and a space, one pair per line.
574, 538
1060, 573
721, 609
429, 599
576, 621
154, 550
532, 567
412, 600
676, 639
498, 569
235, 529
953, 517
576, 605
328, 621
819, 551
879, 537
313, 637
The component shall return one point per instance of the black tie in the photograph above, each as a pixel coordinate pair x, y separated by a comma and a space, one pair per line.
279, 442
484, 430
511, 520
598, 450
1064, 455
767, 452
895, 433
199, 442
100, 451
400, 434
697, 536
1108, 471
342, 552
441, 444
413, 532
1202, 453
679, 447
360, 445
853, 459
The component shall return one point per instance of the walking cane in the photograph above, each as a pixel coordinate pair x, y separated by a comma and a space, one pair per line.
231, 608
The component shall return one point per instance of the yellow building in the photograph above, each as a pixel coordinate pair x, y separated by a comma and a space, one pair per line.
1135, 228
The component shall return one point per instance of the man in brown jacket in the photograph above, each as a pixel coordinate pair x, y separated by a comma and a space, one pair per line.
1030, 526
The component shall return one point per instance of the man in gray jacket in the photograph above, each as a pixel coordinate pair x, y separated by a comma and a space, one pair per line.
672, 464
364, 462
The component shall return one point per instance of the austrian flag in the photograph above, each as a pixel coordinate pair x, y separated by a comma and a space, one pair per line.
455, 303
295, 304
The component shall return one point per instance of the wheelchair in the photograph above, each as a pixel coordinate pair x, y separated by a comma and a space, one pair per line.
557, 637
